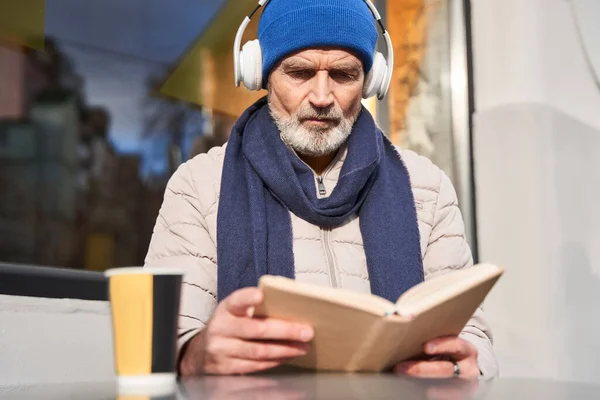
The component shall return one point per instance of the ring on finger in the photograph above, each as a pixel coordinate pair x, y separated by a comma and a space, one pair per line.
456, 373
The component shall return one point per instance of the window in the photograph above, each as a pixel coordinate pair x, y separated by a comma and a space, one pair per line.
87, 142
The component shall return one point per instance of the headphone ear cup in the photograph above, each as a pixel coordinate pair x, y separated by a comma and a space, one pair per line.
376, 76
251, 65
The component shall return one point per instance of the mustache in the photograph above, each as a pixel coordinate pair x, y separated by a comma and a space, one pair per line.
329, 113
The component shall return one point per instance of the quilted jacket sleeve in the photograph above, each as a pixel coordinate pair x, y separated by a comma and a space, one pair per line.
181, 240
448, 250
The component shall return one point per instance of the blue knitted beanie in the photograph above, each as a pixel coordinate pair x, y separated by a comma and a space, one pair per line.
287, 26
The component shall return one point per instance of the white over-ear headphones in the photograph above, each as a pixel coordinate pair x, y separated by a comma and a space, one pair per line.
247, 62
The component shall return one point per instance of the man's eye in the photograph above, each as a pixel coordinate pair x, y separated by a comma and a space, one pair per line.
341, 77
301, 74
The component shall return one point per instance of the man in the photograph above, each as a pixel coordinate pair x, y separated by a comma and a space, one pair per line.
308, 187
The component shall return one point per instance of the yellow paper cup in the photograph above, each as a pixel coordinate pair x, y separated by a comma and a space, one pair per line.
144, 309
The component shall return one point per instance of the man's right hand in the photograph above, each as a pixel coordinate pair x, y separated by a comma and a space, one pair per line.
234, 342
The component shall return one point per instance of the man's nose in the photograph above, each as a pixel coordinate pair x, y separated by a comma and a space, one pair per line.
321, 95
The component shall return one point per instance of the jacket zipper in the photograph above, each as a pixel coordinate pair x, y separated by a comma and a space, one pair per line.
326, 231
320, 184
329, 257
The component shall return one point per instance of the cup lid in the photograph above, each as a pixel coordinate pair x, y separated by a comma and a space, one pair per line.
142, 271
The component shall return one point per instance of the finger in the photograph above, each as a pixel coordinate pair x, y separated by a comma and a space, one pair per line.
455, 347
239, 302
266, 329
257, 350
425, 369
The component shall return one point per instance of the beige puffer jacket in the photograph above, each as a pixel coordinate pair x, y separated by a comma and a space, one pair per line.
185, 237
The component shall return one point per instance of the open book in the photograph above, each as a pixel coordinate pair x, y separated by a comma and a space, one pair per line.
363, 332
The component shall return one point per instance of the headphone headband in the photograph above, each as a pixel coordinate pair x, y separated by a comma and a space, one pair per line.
262, 3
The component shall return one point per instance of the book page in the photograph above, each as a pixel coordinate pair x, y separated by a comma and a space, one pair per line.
361, 301
446, 318
342, 332
441, 288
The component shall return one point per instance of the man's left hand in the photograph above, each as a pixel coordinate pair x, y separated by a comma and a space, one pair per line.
440, 354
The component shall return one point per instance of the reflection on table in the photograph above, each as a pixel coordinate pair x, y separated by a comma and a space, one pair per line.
321, 386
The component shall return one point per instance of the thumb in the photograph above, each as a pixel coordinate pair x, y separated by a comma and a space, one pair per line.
241, 302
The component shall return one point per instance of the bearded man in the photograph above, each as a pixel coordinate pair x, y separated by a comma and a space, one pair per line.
308, 187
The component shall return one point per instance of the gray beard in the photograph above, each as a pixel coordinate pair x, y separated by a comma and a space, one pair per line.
313, 142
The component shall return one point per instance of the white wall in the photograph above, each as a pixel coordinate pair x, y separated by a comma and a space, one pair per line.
529, 52
47, 341
536, 145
